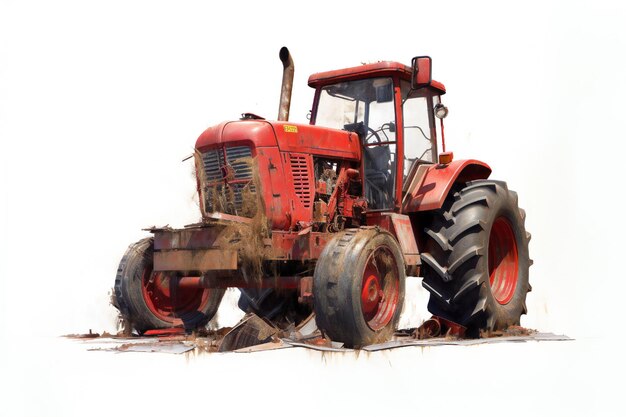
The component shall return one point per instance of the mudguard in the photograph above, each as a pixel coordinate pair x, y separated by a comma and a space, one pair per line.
429, 187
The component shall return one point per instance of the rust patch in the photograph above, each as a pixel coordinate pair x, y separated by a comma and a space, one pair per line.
438, 326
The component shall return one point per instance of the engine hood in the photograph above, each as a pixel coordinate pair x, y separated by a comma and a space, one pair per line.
289, 137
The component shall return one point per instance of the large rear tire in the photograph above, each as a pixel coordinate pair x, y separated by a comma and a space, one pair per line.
475, 264
152, 300
358, 287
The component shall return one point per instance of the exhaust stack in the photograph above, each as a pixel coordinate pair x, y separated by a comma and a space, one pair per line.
287, 86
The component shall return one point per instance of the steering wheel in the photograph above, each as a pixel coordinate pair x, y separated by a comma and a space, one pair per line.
372, 134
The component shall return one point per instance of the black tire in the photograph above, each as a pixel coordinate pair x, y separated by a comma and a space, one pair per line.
479, 223
281, 307
266, 302
351, 305
191, 309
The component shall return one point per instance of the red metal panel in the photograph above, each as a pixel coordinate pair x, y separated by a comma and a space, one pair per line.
379, 219
198, 238
368, 70
318, 140
406, 237
297, 246
400, 226
438, 86
378, 69
210, 137
433, 190
399, 143
226, 279
244, 132
276, 194
195, 260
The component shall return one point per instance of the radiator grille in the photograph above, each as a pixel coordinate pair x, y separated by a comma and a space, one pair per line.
213, 160
239, 158
301, 181
235, 193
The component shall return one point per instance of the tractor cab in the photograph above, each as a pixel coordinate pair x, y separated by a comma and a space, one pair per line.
391, 107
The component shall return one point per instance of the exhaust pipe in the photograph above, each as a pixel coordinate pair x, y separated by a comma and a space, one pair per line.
287, 86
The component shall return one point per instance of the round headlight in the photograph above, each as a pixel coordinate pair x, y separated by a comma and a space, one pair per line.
441, 111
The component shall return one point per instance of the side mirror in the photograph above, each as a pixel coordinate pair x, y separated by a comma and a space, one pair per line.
421, 72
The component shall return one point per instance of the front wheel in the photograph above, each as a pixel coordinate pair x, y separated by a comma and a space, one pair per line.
152, 300
358, 287
476, 258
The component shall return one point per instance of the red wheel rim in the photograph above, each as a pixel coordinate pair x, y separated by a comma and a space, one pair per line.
503, 261
380, 288
167, 301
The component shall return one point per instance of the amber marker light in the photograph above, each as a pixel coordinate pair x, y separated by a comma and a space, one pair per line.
445, 157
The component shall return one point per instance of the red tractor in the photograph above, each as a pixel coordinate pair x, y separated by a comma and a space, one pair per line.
331, 217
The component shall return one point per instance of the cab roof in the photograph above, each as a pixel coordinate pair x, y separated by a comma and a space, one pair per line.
378, 69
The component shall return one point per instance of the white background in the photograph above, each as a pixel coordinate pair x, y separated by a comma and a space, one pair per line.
100, 102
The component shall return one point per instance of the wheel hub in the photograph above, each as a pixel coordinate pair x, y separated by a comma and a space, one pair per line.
380, 289
503, 261
371, 295
167, 300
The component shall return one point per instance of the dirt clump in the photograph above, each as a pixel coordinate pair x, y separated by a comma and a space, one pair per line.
513, 330
247, 238
89, 335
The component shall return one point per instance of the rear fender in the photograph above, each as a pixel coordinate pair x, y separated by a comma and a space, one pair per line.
430, 191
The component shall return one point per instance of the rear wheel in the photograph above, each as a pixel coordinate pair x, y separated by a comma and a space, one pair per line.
358, 287
476, 262
153, 300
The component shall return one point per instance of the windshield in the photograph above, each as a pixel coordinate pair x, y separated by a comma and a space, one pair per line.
367, 107
368, 101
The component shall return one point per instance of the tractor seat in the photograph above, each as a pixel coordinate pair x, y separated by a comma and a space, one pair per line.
378, 174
